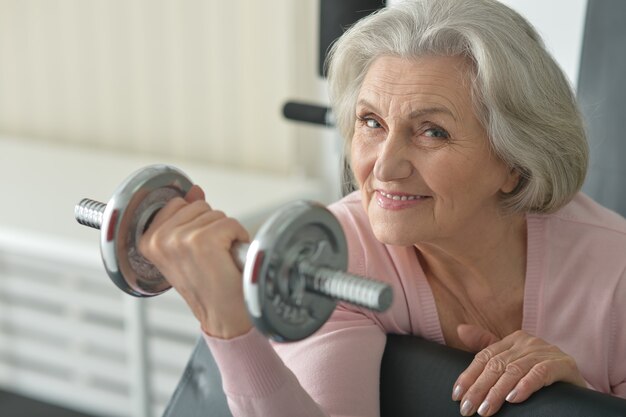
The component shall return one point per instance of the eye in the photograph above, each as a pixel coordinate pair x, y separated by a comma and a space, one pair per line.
370, 122
436, 132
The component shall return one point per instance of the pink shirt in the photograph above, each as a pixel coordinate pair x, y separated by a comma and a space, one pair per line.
575, 298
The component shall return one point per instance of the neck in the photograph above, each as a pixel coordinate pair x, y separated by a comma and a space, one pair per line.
479, 263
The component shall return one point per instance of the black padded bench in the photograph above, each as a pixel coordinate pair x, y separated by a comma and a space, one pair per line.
416, 380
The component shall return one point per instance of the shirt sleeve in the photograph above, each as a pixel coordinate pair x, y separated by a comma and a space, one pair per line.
334, 372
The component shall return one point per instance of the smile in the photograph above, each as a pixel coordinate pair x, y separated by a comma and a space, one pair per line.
400, 197
394, 201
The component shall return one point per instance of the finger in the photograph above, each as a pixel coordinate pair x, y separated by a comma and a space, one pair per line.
496, 393
476, 367
223, 230
166, 212
204, 244
175, 213
178, 212
195, 193
210, 228
491, 373
475, 337
201, 244
543, 374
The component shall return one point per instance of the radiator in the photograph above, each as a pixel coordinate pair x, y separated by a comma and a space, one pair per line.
67, 334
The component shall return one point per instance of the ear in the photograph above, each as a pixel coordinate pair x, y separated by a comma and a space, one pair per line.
511, 182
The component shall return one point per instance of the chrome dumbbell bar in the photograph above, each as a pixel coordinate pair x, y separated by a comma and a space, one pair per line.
293, 270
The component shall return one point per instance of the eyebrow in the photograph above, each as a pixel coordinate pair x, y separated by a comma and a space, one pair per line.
416, 113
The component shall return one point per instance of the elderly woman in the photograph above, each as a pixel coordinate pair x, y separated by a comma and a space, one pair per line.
468, 153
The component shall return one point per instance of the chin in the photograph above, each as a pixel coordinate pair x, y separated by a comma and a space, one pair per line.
390, 235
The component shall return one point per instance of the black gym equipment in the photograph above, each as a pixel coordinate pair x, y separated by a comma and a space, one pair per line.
416, 381
602, 96
335, 17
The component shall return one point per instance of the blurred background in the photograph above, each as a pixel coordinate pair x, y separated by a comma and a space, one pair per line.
91, 90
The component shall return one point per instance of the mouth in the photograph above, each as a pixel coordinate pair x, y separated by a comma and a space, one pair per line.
401, 196
398, 201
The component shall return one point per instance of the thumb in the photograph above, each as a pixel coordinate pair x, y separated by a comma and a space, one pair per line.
475, 337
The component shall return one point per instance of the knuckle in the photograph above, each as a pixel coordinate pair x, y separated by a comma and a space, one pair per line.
155, 240
172, 243
514, 370
541, 372
570, 362
175, 201
154, 245
145, 246
200, 203
228, 222
519, 334
568, 366
484, 356
496, 365
523, 336
187, 241
553, 349
171, 207
219, 214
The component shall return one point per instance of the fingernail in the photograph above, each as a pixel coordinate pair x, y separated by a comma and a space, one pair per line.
511, 395
484, 407
457, 393
466, 408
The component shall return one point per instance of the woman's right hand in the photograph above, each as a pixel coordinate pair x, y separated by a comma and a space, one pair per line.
190, 243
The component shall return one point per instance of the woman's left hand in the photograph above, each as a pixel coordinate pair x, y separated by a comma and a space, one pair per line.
510, 369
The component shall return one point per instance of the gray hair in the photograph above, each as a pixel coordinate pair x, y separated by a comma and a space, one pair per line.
520, 94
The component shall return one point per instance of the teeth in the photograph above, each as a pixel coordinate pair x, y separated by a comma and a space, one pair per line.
400, 197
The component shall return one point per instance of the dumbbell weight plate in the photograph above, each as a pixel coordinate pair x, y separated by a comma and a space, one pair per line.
127, 216
273, 288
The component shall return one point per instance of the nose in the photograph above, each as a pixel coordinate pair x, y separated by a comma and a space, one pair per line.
393, 161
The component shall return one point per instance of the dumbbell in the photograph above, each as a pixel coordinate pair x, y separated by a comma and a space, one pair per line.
293, 269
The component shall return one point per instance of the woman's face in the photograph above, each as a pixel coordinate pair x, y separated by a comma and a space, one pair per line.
419, 154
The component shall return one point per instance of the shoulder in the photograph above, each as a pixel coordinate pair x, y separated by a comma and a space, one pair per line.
580, 248
584, 226
583, 244
587, 215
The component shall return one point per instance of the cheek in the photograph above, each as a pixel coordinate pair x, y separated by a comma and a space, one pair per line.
468, 185
362, 161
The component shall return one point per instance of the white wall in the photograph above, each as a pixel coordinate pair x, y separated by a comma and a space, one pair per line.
561, 24
197, 79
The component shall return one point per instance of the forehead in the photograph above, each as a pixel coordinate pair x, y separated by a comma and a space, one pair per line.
441, 80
